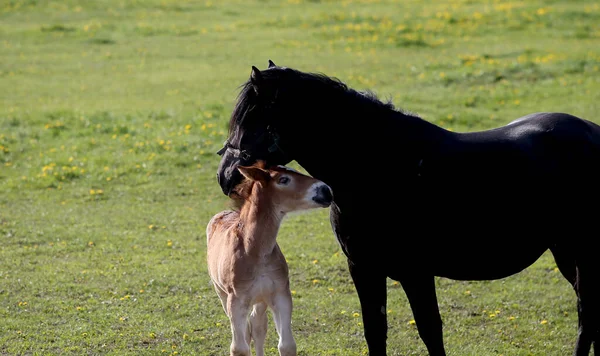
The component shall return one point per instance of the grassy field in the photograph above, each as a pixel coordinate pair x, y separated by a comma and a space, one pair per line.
110, 114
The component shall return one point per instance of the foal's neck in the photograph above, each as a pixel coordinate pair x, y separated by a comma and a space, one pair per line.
259, 224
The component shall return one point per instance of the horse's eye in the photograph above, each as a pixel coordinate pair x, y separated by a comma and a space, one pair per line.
283, 180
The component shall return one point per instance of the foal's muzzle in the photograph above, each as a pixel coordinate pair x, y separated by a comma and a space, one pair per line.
324, 195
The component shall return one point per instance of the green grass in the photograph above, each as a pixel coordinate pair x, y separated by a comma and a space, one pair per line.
110, 114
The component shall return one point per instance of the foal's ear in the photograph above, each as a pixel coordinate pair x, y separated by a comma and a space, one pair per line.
255, 78
254, 173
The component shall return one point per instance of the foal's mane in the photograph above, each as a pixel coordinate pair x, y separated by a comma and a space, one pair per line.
311, 85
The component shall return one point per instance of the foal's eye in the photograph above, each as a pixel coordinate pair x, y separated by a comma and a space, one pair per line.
283, 180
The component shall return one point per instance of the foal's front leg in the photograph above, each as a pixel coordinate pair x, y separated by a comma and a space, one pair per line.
282, 315
237, 310
372, 293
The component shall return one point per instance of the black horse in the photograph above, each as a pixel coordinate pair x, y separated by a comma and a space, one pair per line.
413, 201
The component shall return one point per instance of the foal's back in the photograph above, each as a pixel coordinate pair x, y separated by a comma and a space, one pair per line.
235, 266
224, 243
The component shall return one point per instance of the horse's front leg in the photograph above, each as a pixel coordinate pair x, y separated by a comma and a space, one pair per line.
420, 291
371, 288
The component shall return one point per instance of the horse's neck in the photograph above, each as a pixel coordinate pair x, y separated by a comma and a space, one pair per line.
410, 130
390, 134
259, 226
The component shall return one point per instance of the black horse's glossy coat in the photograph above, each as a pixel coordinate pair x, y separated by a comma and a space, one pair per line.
413, 201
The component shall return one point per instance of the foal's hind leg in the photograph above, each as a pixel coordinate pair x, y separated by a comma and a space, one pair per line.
257, 328
222, 297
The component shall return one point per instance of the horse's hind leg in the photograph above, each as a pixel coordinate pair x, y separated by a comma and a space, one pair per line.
257, 328
588, 309
565, 261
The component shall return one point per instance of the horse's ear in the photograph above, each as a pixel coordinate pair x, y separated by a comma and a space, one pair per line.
255, 78
271, 64
254, 173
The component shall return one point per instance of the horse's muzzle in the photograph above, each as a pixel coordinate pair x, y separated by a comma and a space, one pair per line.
228, 178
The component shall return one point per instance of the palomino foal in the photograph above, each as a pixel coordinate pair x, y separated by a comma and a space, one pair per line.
245, 263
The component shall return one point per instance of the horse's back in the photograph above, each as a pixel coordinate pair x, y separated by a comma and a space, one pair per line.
537, 148
563, 149
559, 126
529, 182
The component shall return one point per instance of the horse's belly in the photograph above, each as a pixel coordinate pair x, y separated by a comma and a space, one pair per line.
477, 264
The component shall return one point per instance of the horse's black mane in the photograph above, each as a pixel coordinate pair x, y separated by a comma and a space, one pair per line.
316, 84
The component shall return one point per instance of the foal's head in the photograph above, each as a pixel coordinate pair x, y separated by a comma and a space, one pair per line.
281, 189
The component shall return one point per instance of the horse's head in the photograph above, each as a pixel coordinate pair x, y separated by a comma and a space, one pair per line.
281, 113
254, 128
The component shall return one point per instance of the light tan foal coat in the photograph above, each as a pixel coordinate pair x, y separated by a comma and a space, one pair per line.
245, 264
